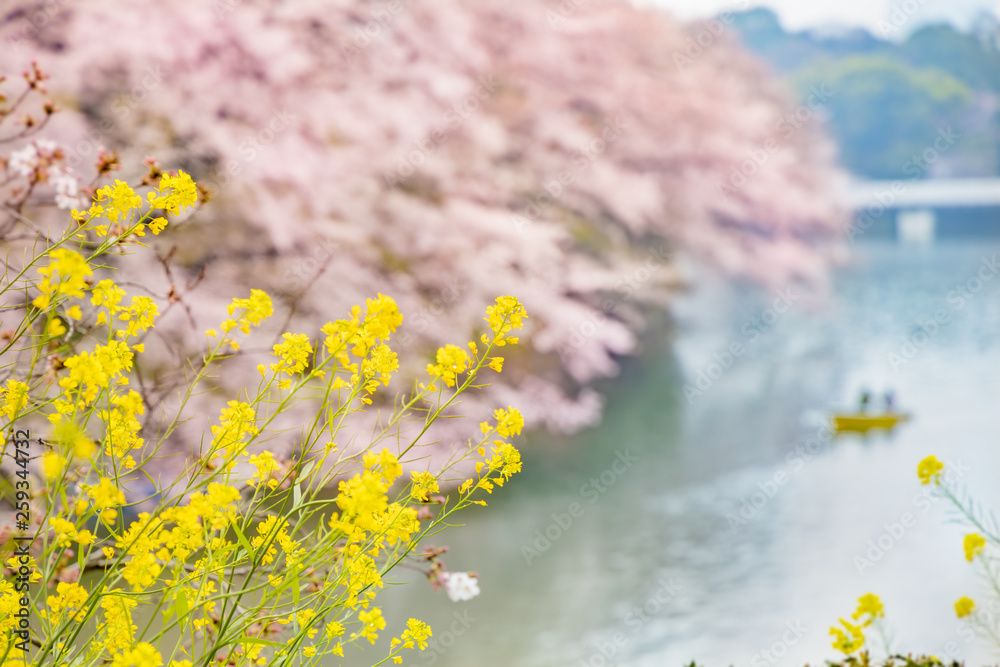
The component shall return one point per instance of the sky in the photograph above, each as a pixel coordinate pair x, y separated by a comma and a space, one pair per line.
800, 14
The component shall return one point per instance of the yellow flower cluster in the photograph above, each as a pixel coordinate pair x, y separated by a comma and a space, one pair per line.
424, 483
415, 635
974, 544
236, 422
66, 532
293, 354
139, 315
66, 275
67, 605
964, 607
508, 314
365, 335
117, 627
15, 398
850, 636
116, 202
143, 655
929, 470
266, 465
309, 568
91, 373
509, 422
452, 361
174, 193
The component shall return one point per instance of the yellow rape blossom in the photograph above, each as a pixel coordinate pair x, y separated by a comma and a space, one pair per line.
236, 422
415, 634
72, 439
174, 193
266, 465
974, 544
509, 422
105, 293
387, 463
929, 470
424, 483
65, 275
157, 225
105, 494
92, 372
117, 627
139, 315
372, 622
66, 605
451, 361
53, 464
118, 201
964, 606
869, 605
143, 655
293, 354
849, 639
256, 309
380, 364
15, 398
508, 314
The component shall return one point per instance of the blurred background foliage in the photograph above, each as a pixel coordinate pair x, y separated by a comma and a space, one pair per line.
889, 97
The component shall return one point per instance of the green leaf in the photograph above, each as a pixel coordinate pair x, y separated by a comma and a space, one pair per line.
258, 640
243, 541
180, 604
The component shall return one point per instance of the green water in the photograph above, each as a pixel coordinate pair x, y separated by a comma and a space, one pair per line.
659, 567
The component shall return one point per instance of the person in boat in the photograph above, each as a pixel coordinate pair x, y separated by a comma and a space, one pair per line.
864, 400
890, 401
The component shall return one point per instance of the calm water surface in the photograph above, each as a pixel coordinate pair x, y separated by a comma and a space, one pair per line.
655, 569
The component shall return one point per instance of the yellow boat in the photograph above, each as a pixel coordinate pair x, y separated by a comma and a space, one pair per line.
862, 423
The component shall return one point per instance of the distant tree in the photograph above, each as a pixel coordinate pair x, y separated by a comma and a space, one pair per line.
884, 113
970, 59
892, 97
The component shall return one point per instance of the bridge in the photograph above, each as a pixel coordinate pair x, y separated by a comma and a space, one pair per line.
918, 210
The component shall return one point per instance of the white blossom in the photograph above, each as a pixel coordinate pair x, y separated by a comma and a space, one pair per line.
461, 586
23, 162
67, 191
